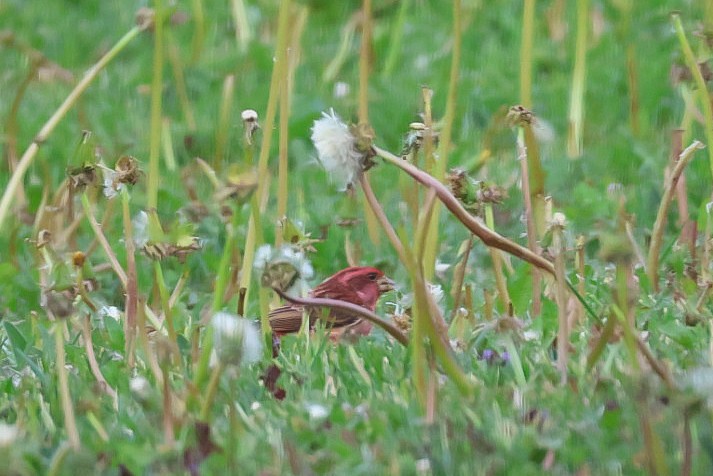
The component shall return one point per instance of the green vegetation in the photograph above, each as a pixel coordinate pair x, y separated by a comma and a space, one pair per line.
135, 199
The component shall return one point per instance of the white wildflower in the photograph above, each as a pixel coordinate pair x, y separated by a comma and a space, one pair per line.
435, 290
262, 257
341, 89
8, 434
336, 149
316, 411
559, 220
140, 387
236, 339
110, 311
140, 225
249, 115
423, 466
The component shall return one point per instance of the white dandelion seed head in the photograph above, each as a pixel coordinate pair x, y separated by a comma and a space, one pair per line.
236, 339
110, 311
140, 225
559, 220
336, 150
8, 434
262, 257
249, 115
341, 89
317, 411
407, 300
140, 387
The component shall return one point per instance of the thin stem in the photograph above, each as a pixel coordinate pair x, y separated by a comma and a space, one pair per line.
702, 90
156, 95
495, 256
132, 293
282, 167
529, 218
444, 144
659, 224
221, 135
210, 391
26, 159
563, 331
167, 311
94, 365
579, 77
528, 28
103, 241
364, 62
381, 216
65, 397
199, 33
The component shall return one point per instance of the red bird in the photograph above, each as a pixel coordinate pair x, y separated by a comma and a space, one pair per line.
359, 285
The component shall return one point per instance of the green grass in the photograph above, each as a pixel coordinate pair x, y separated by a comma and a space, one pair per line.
355, 407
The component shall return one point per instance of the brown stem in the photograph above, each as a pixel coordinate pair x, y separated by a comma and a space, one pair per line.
93, 364
381, 216
669, 189
349, 307
475, 225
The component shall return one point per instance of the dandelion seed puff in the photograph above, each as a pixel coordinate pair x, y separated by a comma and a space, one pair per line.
336, 150
8, 434
262, 257
236, 339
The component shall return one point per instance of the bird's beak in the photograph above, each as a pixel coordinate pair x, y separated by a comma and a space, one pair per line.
385, 284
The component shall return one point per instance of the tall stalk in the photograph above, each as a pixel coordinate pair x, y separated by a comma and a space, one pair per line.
254, 236
156, 95
439, 171
579, 77
702, 89
528, 28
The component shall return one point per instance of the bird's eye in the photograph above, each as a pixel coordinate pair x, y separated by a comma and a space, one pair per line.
371, 276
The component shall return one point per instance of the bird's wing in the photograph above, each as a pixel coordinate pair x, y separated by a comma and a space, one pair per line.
286, 319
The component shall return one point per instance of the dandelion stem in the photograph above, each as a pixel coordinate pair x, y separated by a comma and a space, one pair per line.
156, 95
103, 241
659, 224
65, 397
381, 216
702, 90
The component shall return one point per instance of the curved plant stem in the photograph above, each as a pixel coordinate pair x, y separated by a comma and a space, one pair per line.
103, 241
94, 365
669, 190
476, 226
44, 133
381, 216
439, 170
132, 293
65, 397
347, 306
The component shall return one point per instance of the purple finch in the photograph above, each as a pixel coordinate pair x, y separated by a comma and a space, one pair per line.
358, 285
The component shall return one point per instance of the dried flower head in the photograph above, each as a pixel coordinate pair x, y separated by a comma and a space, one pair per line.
285, 268
250, 121
343, 155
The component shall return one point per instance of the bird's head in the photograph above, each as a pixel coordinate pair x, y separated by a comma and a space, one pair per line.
367, 282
